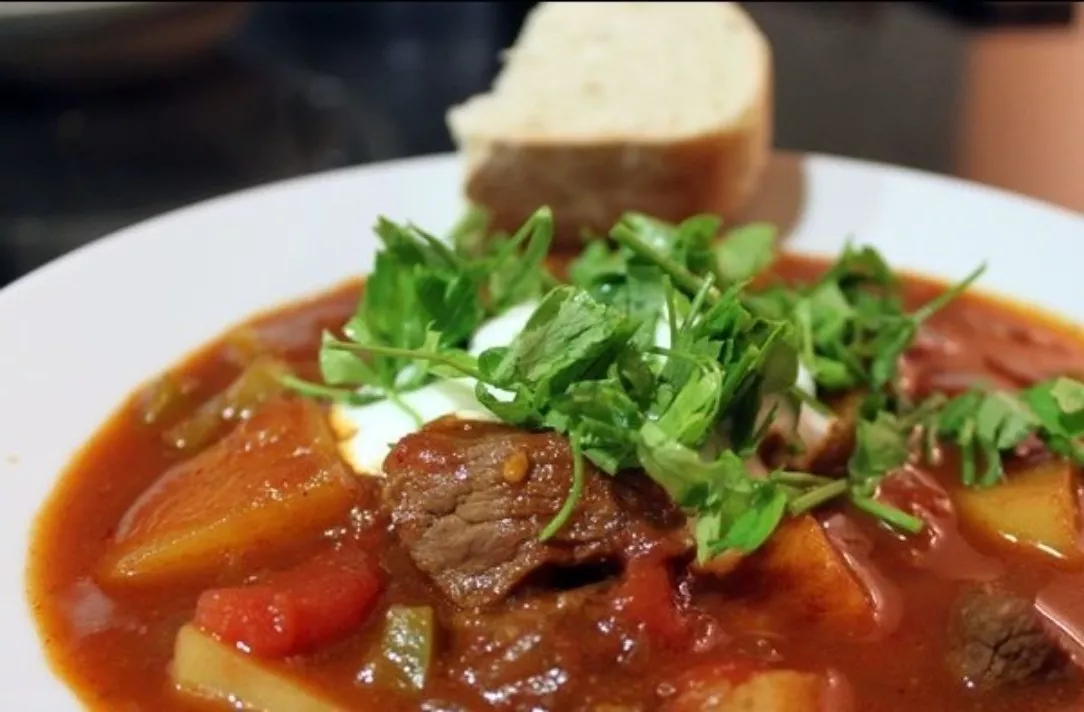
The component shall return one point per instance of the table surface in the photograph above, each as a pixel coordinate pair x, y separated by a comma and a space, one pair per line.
304, 87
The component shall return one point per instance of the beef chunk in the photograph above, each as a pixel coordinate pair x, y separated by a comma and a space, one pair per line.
814, 442
547, 652
469, 499
996, 638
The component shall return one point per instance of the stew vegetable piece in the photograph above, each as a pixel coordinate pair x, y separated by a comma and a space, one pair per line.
673, 473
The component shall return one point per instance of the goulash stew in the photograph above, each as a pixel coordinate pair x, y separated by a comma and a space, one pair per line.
674, 473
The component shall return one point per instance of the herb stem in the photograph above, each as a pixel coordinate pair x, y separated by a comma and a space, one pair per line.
469, 231
937, 303
319, 390
671, 311
395, 399
889, 514
812, 401
799, 479
682, 277
697, 304
548, 280
967, 455
817, 496
416, 354
574, 493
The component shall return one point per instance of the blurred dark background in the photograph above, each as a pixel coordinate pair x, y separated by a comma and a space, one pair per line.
105, 125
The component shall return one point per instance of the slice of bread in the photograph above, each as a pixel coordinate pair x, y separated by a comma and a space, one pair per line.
659, 107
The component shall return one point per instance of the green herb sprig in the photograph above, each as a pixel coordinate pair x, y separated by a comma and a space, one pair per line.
419, 281
656, 356
854, 325
984, 426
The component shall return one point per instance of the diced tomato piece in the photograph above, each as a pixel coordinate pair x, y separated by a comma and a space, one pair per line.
646, 597
296, 610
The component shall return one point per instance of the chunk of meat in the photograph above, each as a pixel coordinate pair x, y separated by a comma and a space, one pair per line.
544, 653
977, 344
824, 442
270, 483
830, 453
996, 638
939, 548
741, 686
475, 531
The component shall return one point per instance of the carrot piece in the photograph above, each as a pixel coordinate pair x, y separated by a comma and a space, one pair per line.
296, 610
272, 482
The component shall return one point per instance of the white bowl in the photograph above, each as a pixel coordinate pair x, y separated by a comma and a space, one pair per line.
78, 335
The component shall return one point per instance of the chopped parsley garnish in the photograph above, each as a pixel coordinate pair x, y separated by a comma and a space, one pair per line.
657, 356
420, 288
853, 323
985, 425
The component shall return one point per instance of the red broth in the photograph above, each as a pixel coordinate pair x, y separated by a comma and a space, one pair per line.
113, 645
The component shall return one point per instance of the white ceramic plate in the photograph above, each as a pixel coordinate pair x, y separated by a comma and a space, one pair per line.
78, 335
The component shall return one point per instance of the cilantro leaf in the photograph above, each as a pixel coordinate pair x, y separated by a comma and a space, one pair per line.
853, 323
620, 280
880, 448
759, 516
985, 425
1058, 406
682, 472
339, 367
745, 252
420, 289
689, 413
516, 267
604, 419
470, 236
417, 281
733, 509
688, 243
570, 336
694, 408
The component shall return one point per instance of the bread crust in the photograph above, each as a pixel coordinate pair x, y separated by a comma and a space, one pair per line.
590, 184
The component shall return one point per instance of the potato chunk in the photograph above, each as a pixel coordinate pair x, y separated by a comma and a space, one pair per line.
1034, 511
274, 480
801, 578
205, 668
724, 688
